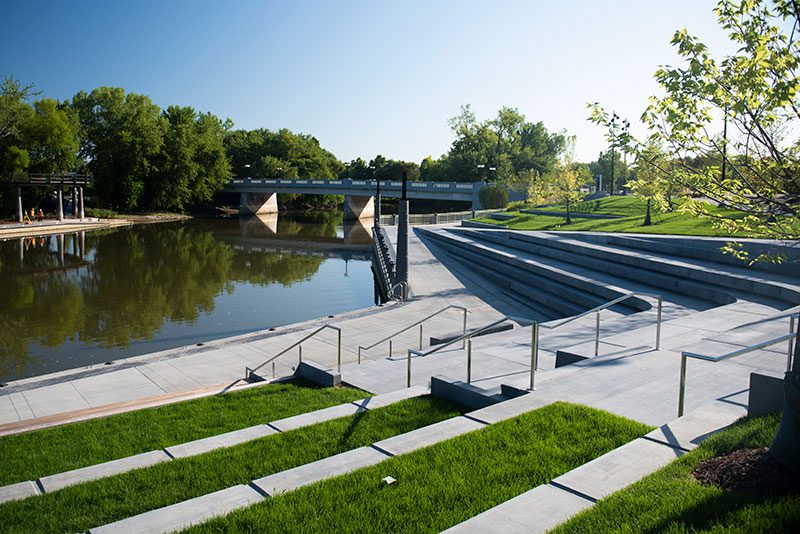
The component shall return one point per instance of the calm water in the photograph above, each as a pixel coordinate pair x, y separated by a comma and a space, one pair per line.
72, 301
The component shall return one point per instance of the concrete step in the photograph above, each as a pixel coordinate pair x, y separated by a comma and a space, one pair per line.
185, 514
193, 511
51, 483
556, 290
600, 266
714, 282
549, 505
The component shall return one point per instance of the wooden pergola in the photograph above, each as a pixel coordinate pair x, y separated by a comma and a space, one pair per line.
56, 181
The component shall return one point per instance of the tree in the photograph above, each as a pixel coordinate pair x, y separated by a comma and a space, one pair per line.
754, 167
193, 164
51, 135
507, 143
650, 183
123, 139
755, 93
13, 105
566, 181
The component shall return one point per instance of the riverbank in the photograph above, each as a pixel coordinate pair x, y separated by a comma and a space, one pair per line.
10, 230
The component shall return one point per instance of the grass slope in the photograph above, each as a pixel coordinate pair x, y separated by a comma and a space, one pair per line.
78, 508
54, 450
670, 500
632, 210
444, 484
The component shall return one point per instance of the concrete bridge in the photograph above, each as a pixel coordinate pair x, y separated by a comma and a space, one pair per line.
260, 195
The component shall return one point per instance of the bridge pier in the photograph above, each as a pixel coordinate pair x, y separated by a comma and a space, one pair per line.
258, 203
358, 207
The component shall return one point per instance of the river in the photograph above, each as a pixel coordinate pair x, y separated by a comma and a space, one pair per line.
77, 300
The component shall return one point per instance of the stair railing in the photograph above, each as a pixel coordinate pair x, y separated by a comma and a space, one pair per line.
466, 338
597, 311
792, 335
249, 373
409, 327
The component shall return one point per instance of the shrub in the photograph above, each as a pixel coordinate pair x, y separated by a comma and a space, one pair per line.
493, 196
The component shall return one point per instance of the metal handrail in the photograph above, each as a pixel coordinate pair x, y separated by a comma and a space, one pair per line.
248, 372
467, 338
418, 323
597, 311
685, 355
402, 296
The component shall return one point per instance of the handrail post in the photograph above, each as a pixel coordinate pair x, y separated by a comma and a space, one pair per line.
464, 327
359, 355
469, 361
390, 349
420, 336
789, 350
682, 391
339, 356
273, 369
299, 354
658, 323
408, 370
534, 351
597, 335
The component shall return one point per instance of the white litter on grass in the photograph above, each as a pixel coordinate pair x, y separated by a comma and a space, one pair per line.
389, 480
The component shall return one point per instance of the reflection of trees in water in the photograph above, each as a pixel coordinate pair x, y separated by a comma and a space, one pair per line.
140, 277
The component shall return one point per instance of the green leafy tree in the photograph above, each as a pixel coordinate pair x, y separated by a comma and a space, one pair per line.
756, 167
123, 142
193, 164
650, 184
566, 181
51, 135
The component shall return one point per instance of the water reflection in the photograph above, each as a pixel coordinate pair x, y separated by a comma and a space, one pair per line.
75, 299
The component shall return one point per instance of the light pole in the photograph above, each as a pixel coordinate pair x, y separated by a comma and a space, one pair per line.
488, 170
614, 118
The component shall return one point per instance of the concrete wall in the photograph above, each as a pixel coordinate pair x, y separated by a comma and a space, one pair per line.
358, 207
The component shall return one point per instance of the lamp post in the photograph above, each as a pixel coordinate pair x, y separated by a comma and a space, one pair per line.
613, 128
488, 170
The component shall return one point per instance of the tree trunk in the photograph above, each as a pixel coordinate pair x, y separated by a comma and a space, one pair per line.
785, 447
569, 220
647, 214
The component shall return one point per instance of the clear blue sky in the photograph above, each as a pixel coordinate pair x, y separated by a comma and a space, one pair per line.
364, 77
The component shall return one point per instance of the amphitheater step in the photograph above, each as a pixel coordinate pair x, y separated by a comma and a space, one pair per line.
548, 505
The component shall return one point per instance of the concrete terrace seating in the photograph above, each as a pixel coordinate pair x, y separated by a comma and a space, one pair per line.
51, 483
194, 511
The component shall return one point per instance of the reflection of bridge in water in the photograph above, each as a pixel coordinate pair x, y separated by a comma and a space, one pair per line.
260, 233
67, 261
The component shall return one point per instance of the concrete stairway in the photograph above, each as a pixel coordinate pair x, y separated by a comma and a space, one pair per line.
55, 482
194, 511
549, 505
583, 273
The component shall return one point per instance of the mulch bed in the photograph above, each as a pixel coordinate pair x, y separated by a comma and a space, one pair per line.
751, 470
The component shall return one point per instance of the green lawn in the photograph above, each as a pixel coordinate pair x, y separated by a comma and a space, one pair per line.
445, 484
78, 508
53, 450
632, 210
670, 500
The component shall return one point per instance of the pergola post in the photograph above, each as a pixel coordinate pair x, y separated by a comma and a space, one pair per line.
19, 204
60, 207
74, 202
80, 196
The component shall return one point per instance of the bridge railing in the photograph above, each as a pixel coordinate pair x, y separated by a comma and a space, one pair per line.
386, 185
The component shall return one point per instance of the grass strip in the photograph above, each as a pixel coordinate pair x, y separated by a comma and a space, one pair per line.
54, 450
632, 210
78, 508
671, 500
444, 484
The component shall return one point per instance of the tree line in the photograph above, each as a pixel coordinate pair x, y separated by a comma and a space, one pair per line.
145, 158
